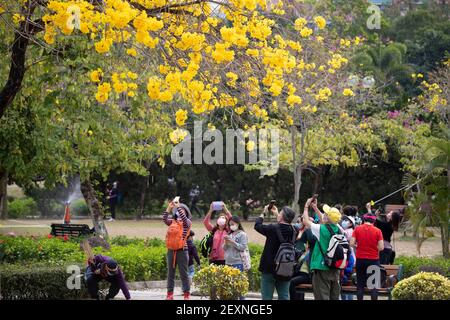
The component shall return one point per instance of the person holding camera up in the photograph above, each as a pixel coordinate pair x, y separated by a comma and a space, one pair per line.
218, 232
176, 241
325, 280
277, 234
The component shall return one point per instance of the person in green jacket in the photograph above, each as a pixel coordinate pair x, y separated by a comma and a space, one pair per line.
325, 281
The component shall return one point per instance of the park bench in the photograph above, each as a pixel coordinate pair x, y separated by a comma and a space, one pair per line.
394, 274
394, 207
71, 230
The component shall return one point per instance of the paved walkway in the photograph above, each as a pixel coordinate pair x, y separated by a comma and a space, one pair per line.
160, 294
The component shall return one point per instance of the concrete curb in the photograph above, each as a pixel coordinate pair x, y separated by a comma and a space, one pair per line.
162, 285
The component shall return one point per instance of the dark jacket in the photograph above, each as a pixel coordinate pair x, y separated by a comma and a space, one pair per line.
193, 254
99, 264
267, 262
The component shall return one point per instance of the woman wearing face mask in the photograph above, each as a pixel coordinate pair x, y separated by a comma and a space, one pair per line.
219, 231
235, 244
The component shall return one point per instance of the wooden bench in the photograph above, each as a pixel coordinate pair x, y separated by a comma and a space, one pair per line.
394, 207
71, 230
394, 274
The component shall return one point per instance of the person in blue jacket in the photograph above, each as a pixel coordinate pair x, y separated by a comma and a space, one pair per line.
346, 276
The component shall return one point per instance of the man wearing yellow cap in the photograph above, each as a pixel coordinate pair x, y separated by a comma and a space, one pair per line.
325, 281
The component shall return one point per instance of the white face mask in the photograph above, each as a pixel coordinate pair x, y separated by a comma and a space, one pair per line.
345, 224
234, 227
221, 222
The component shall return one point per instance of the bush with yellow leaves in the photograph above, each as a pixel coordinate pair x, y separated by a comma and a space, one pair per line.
423, 286
221, 282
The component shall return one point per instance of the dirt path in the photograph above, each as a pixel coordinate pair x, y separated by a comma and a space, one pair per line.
155, 228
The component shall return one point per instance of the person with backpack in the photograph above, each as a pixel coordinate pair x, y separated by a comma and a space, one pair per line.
330, 252
279, 256
193, 255
368, 241
215, 240
177, 250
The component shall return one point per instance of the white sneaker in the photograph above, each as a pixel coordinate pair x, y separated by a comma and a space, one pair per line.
111, 219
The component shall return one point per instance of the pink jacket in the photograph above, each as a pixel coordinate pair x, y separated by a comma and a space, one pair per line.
217, 252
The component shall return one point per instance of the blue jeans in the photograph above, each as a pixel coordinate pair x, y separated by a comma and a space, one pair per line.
239, 266
191, 271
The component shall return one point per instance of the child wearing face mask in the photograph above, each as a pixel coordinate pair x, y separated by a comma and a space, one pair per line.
219, 231
348, 224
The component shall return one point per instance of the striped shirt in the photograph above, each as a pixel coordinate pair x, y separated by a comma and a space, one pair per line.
181, 217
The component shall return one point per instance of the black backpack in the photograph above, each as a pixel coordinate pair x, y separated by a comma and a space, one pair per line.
206, 244
285, 259
338, 250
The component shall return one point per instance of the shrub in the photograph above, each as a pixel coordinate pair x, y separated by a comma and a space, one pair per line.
54, 208
254, 276
54, 250
221, 282
140, 263
413, 265
37, 281
22, 207
140, 259
148, 242
79, 207
125, 241
423, 286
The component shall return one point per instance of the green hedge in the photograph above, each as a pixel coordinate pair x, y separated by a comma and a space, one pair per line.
79, 208
145, 259
414, 265
22, 207
37, 281
140, 259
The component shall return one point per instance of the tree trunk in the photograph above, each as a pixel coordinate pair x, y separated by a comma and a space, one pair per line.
318, 180
297, 186
94, 206
444, 240
3, 194
445, 226
297, 168
144, 191
19, 46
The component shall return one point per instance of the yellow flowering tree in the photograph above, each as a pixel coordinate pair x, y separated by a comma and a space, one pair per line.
245, 61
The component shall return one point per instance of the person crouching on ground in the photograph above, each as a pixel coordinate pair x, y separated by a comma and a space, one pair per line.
267, 263
325, 281
177, 250
105, 268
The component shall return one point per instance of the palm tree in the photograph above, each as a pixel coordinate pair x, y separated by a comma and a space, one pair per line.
429, 205
386, 63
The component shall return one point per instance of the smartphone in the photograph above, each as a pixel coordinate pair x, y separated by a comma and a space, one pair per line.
272, 203
217, 205
176, 199
315, 196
